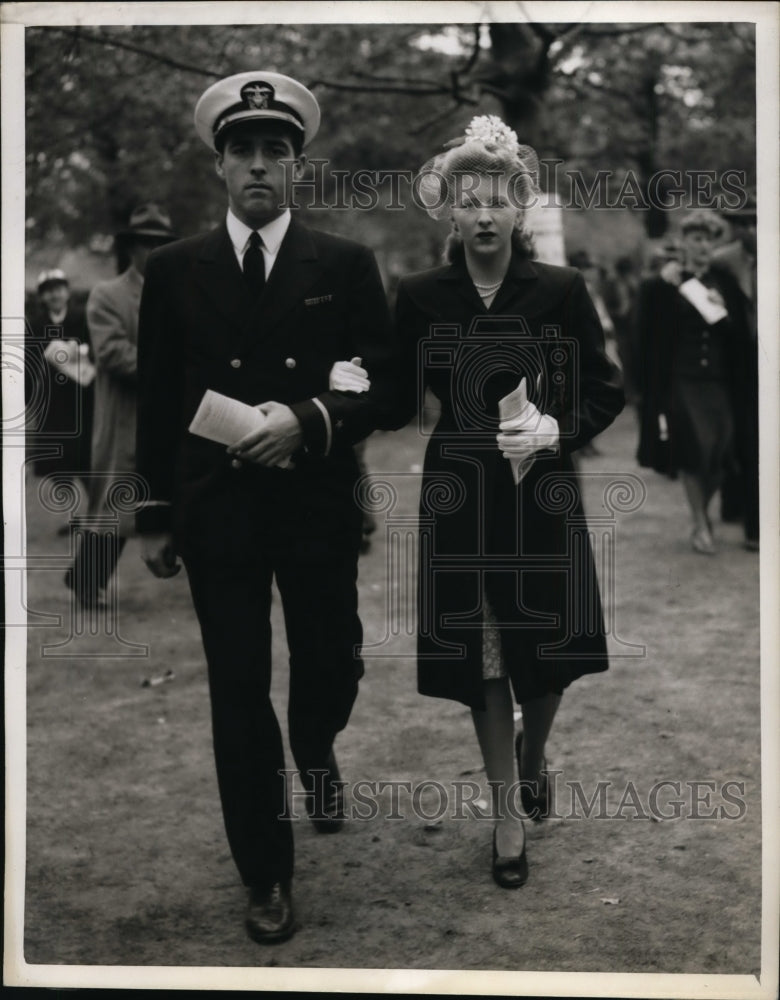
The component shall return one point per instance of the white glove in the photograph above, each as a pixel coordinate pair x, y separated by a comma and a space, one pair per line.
524, 428
348, 376
671, 273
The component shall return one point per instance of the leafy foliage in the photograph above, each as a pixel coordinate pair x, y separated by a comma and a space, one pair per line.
109, 109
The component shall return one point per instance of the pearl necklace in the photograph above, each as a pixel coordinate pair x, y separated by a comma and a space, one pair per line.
485, 291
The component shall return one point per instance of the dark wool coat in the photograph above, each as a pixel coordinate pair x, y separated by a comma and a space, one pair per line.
524, 547
670, 329
60, 411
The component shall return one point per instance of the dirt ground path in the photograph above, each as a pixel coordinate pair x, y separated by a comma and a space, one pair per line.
127, 862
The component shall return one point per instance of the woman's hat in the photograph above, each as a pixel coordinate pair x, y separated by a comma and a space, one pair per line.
54, 276
488, 145
149, 221
256, 96
702, 220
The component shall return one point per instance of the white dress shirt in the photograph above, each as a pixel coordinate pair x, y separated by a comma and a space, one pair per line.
272, 234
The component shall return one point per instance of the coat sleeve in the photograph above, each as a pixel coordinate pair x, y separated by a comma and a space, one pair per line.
411, 327
335, 417
160, 378
113, 349
595, 398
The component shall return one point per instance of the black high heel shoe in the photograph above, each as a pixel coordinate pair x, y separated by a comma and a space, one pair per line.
537, 807
509, 872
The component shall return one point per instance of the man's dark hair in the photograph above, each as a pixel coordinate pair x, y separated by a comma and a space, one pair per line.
293, 134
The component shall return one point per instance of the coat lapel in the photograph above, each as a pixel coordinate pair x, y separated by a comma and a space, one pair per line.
222, 281
518, 293
294, 270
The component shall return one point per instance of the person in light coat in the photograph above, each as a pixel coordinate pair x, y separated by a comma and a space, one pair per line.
112, 320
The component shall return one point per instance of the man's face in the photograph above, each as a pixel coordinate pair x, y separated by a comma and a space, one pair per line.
55, 297
251, 165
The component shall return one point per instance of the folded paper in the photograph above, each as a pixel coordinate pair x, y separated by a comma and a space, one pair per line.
71, 359
511, 406
226, 420
699, 297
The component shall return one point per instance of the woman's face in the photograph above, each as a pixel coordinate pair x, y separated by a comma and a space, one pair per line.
485, 213
697, 244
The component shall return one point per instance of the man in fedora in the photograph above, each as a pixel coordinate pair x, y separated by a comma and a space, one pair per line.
259, 310
112, 319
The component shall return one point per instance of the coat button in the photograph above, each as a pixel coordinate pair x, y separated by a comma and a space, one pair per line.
290, 363
235, 463
704, 362
235, 363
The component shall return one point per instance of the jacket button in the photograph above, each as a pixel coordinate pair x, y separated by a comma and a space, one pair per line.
235, 463
704, 362
235, 363
290, 363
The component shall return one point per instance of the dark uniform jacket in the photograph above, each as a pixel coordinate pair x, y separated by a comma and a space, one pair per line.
480, 534
200, 329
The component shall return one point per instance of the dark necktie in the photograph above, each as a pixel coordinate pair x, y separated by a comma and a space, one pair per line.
254, 264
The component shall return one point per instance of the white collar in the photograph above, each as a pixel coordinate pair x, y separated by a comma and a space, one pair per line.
272, 233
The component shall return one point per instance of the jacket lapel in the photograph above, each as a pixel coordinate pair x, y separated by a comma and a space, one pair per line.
518, 292
222, 280
294, 270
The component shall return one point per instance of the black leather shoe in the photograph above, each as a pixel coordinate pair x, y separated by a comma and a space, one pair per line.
537, 805
325, 798
269, 916
511, 872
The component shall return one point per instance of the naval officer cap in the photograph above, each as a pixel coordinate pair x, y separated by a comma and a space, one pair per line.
255, 96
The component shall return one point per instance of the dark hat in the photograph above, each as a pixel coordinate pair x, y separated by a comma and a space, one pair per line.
703, 220
54, 276
253, 96
149, 221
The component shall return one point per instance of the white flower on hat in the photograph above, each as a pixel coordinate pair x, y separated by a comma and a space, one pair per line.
488, 145
490, 130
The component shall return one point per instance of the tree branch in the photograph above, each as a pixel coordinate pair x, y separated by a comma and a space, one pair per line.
627, 29
97, 39
437, 89
472, 59
378, 78
442, 116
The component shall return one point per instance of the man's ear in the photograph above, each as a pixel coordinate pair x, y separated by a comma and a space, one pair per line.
218, 166
300, 165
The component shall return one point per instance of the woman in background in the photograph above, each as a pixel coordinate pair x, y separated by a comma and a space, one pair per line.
690, 322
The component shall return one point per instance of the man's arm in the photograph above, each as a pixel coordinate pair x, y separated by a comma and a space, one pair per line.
159, 404
333, 416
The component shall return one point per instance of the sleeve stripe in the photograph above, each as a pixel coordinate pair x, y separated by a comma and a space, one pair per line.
328, 427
